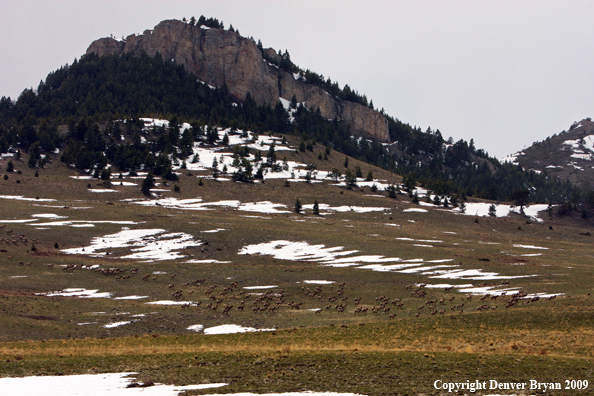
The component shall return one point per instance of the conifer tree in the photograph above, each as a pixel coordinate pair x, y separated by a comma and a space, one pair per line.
215, 168
147, 184
302, 145
271, 157
335, 175
520, 198
298, 206
391, 192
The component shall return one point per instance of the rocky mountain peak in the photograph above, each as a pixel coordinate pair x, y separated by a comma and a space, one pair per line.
218, 57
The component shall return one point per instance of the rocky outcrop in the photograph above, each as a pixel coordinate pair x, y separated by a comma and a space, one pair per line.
219, 57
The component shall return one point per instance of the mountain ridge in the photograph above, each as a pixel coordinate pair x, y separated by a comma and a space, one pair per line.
129, 84
568, 155
221, 57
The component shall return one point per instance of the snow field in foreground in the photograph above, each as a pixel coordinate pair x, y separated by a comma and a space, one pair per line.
114, 384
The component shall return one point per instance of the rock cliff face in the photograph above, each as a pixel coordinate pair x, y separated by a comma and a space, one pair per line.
218, 57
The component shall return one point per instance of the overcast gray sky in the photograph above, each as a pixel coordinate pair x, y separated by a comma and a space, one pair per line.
503, 72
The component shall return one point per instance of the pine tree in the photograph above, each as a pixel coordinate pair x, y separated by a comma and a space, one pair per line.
335, 175
391, 192
492, 210
520, 198
455, 201
147, 184
106, 174
350, 179
32, 162
298, 206
215, 168
170, 175
271, 157
302, 145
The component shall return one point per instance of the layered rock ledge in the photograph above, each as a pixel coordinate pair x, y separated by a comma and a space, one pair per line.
218, 57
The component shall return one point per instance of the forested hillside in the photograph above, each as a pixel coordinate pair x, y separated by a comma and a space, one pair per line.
80, 108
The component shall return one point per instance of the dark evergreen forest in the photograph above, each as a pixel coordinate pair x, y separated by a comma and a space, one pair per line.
94, 95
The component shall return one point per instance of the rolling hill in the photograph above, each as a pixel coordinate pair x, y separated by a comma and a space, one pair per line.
568, 155
208, 76
178, 234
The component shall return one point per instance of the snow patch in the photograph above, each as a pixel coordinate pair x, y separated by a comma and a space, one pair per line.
231, 329
91, 385
144, 244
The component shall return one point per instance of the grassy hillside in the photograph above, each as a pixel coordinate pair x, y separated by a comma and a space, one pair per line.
74, 110
399, 294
